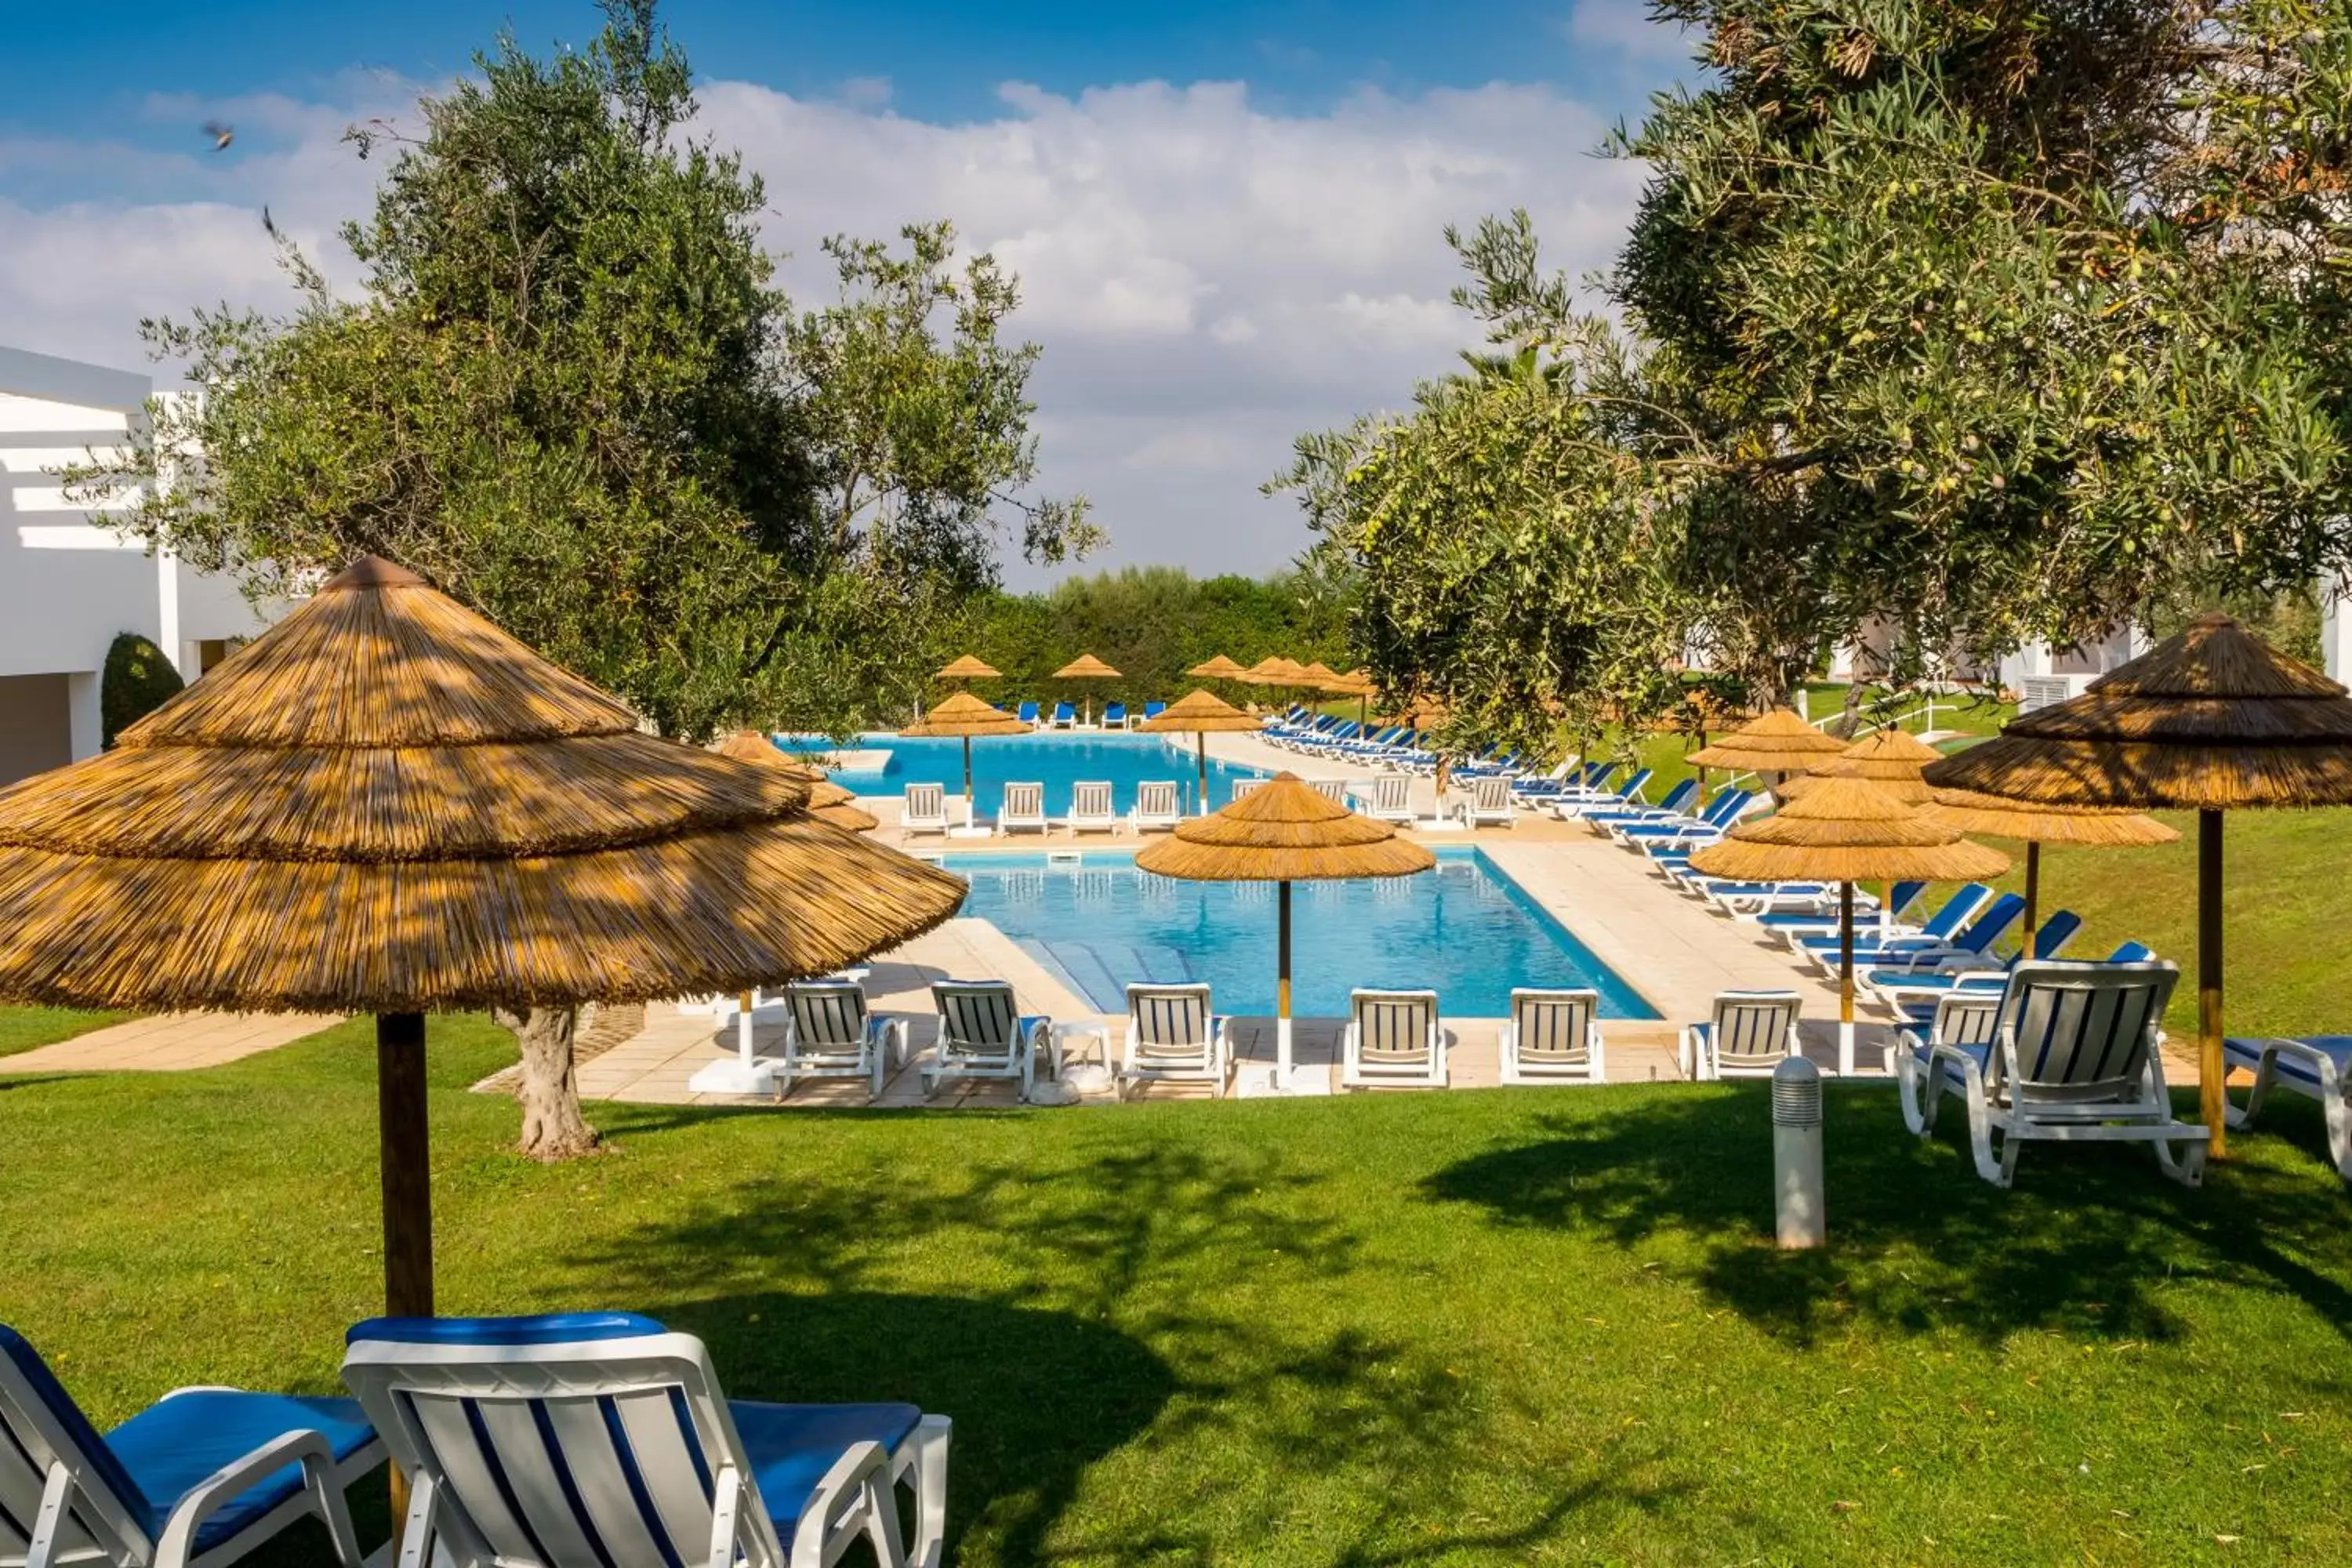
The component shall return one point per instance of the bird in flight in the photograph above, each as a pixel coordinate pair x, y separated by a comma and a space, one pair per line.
221, 135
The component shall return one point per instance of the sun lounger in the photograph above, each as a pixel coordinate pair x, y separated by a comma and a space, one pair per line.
1822, 919
983, 1034
829, 1032
2319, 1066
1899, 986
1157, 806
1023, 810
600, 1440
1923, 954
1749, 1035
1331, 789
1153, 710
1490, 803
2074, 1058
1950, 916
1601, 811
202, 1477
1027, 714
1393, 1037
1388, 797
1552, 1036
926, 810
1171, 1037
1114, 716
1065, 716
1090, 809
1653, 832
1241, 787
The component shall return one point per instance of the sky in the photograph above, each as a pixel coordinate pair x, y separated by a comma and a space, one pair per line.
1227, 216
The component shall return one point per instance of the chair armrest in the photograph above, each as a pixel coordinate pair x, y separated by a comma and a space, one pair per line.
224, 1486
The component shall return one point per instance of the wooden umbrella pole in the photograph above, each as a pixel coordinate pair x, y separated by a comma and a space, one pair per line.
405, 1158
1282, 985
1845, 979
2209, 981
2032, 893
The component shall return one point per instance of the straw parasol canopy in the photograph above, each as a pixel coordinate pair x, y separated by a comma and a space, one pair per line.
827, 801
386, 803
967, 668
1891, 758
1086, 667
1323, 678
2090, 828
1847, 830
1200, 714
1283, 832
2210, 720
965, 716
1777, 744
1217, 668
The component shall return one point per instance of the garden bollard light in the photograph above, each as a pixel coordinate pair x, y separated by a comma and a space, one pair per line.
1798, 1205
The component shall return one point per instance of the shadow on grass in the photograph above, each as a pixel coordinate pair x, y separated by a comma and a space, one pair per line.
2085, 1243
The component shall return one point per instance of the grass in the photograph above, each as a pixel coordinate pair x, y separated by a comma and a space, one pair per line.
1507, 1327
22, 1028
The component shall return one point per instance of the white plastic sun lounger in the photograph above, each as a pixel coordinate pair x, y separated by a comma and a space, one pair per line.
1552, 1036
1090, 809
2319, 1066
597, 1440
1171, 1037
983, 1034
1023, 810
1750, 1034
1387, 797
1158, 808
198, 1480
1242, 787
2074, 1058
1393, 1037
926, 810
1490, 803
829, 1032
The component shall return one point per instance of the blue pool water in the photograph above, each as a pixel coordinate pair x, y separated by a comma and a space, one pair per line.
1056, 760
1466, 930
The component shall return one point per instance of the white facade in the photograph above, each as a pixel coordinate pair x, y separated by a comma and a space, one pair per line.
2042, 674
69, 587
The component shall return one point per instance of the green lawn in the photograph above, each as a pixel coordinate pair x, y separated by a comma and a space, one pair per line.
22, 1028
1537, 1326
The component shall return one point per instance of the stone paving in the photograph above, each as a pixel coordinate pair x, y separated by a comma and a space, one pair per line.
168, 1042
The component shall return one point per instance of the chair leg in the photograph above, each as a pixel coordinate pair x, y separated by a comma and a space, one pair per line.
2187, 1167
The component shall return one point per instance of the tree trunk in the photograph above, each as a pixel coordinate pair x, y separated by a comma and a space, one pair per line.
552, 1126
1848, 719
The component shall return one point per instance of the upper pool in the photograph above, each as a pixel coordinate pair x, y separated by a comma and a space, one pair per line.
1056, 761
1466, 930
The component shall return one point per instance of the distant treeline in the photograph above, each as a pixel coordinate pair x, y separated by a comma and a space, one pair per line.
1152, 624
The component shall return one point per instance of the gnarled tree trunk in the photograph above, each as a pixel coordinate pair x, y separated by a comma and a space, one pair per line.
552, 1125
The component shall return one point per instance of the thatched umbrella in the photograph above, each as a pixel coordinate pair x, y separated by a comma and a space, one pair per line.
1893, 760
965, 715
1200, 714
1847, 830
2211, 721
1217, 668
1086, 667
1274, 670
1357, 684
967, 667
1773, 747
1283, 832
827, 801
386, 805
2079, 826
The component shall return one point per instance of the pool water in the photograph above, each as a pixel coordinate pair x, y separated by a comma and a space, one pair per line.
1466, 930
1056, 760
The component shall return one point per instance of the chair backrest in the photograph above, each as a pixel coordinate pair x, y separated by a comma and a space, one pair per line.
578, 1441
1752, 1027
1956, 910
1490, 792
1555, 1026
1392, 793
1965, 1017
1028, 713
1243, 786
1154, 710
826, 1013
1330, 789
1025, 802
1593, 775
2050, 938
1156, 797
1725, 809
1635, 782
2075, 1030
1169, 1015
2131, 952
925, 802
1393, 1025
1992, 925
1903, 895
979, 1014
1680, 797
1063, 711
1114, 712
1090, 798
40, 1426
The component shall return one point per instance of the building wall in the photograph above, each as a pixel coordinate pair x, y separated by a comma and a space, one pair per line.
35, 724
68, 587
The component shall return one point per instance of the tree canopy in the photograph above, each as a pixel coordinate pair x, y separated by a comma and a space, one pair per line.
571, 395
1986, 323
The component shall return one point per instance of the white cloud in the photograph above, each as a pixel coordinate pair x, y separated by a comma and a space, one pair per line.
1208, 279
1626, 27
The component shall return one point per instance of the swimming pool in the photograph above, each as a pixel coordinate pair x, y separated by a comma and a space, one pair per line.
1056, 760
1466, 930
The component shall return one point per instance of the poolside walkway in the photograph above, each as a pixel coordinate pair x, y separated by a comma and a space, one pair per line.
169, 1042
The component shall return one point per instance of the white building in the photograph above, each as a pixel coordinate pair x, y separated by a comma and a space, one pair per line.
68, 587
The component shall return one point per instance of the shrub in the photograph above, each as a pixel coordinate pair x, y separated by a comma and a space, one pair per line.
139, 680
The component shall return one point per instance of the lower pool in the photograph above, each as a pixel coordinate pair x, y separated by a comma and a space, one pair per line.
1466, 930
1055, 761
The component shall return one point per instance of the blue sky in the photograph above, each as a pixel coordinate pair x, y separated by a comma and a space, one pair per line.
1226, 215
